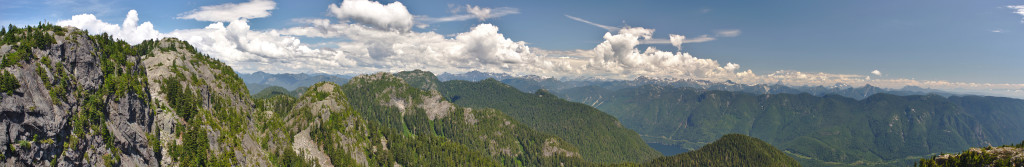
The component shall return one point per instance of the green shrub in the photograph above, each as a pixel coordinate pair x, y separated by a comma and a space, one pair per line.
8, 83
194, 148
182, 100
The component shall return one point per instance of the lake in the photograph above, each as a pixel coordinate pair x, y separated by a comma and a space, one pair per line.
667, 150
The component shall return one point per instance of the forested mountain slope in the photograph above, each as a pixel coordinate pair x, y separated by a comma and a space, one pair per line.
579, 124
729, 150
881, 129
416, 114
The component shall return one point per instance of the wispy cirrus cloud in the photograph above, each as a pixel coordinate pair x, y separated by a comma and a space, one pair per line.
231, 11
728, 33
606, 27
468, 12
1018, 9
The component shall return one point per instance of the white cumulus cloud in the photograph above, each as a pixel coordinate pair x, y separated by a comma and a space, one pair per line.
231, 11
484, 42
676, 40
876, 72
393, 16
129, 30
483, 47
618, 56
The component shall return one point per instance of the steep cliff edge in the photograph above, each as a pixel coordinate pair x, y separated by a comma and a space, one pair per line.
80, 100
193, 92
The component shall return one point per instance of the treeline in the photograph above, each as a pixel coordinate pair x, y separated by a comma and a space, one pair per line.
1007, 155
730, 150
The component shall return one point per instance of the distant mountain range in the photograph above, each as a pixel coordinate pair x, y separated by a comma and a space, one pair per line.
261, 80
831, 129
531, 83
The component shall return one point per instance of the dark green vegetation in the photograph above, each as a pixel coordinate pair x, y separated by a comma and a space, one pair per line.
378, 120
411, 113
882, 129
577, 123
193, 151
1006, 155
8, 83
730, 150
182, 100
208, 97
24, 39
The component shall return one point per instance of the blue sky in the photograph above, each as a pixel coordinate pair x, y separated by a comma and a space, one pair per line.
925, 43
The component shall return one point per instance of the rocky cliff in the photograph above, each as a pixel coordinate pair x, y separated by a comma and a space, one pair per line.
81, 100
77, 103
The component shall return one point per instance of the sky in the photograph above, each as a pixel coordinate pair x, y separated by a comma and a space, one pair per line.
960, 46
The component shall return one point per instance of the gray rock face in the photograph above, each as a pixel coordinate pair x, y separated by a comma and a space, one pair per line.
215, 93
36, 124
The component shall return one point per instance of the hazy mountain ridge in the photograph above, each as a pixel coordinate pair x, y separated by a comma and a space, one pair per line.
824, 129
261, 80
530, 83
